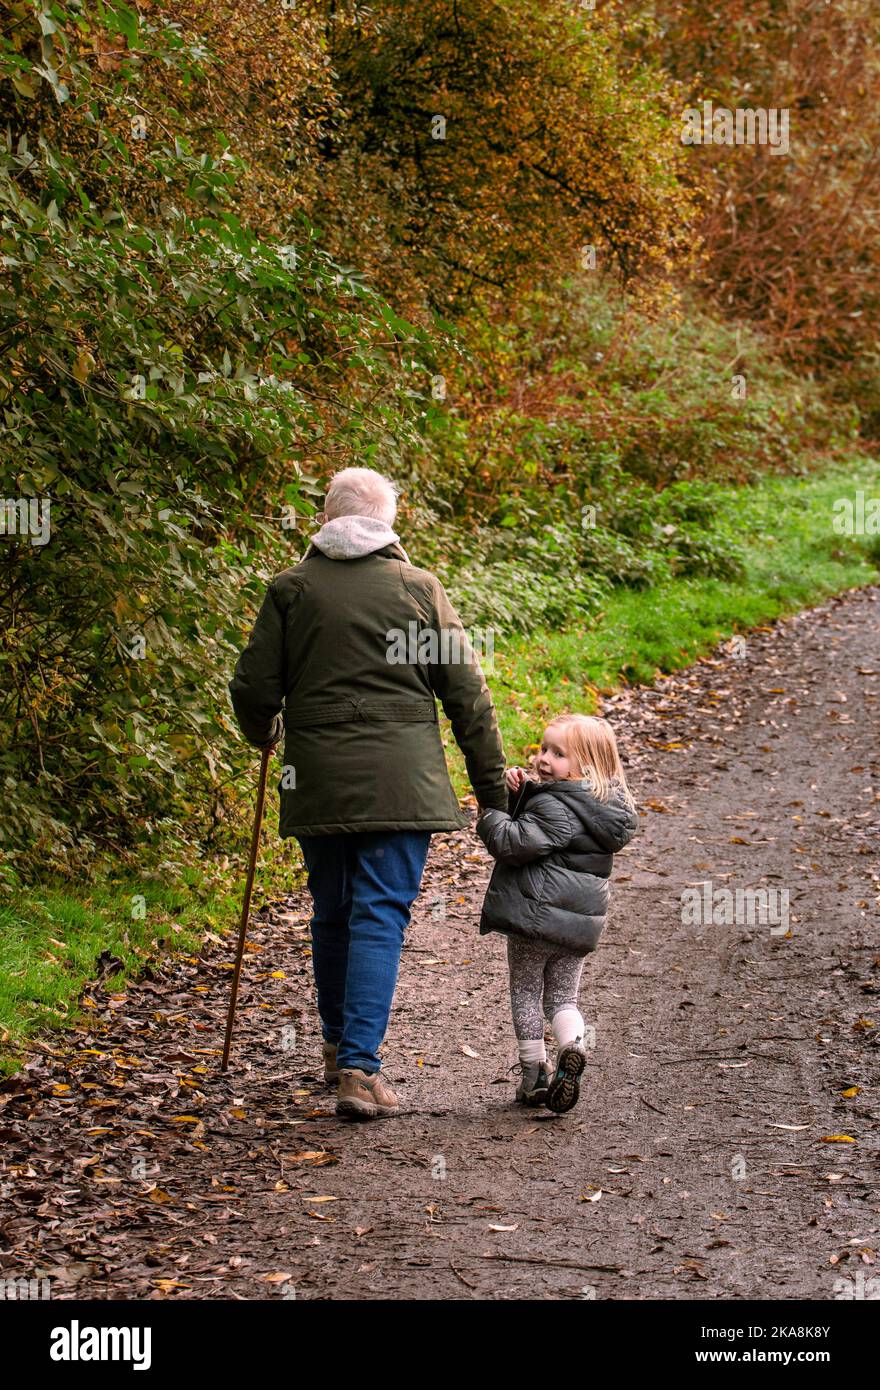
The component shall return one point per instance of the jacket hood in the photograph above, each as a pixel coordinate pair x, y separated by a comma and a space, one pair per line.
350, 537
610, 822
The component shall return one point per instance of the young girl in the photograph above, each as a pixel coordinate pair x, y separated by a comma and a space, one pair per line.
549, 890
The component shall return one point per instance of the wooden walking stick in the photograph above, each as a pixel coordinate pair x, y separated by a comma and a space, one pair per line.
246, 906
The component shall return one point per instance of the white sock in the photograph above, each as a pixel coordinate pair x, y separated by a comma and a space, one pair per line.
531, 1051
567, 1025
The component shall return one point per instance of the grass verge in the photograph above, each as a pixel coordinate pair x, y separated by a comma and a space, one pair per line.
55, 938
794, 558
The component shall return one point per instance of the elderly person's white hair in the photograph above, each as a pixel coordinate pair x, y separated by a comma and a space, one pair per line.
361, 492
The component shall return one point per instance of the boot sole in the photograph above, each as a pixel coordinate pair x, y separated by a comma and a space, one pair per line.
564, 1090
364, 1109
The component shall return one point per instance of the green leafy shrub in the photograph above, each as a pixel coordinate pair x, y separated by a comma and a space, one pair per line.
167, 388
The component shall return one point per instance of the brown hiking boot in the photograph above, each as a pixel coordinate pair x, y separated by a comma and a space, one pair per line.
331, 1071
364, 1095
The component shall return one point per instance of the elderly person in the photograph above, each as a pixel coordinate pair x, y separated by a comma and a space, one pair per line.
355, 643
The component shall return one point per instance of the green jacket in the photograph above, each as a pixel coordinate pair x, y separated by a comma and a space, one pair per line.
362, 747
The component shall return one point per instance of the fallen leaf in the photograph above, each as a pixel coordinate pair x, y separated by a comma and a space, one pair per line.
82, 366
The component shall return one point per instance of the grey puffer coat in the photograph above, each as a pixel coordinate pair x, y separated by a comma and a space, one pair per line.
555, 852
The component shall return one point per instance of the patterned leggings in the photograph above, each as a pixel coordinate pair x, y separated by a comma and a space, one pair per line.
538, 971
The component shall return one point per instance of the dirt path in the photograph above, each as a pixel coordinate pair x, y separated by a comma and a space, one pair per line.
696, 1164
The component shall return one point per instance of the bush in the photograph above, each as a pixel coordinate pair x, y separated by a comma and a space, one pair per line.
166, 386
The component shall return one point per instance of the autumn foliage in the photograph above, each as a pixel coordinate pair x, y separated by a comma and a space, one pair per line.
244, 244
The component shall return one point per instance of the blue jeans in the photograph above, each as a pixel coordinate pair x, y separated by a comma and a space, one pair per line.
363, 885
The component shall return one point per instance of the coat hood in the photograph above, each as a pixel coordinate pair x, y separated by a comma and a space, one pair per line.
611, 823
350, 537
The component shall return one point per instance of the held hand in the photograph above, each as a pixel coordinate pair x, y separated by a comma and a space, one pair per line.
276, 734
515, 778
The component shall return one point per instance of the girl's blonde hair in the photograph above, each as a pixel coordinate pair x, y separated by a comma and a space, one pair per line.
592, 748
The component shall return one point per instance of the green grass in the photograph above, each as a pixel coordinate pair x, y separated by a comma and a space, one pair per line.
794, 559
51, 935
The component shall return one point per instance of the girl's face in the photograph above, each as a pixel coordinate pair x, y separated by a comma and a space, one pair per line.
552, 764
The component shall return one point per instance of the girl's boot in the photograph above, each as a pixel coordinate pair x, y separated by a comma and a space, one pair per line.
564, 1088
532, 1088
